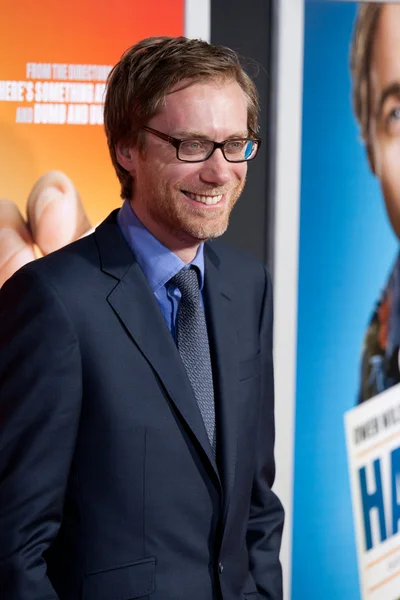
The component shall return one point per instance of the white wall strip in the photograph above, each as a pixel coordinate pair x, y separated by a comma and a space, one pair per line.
198, 19
287, 212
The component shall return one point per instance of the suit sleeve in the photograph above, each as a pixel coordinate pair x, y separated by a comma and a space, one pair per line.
40, 398
265, 524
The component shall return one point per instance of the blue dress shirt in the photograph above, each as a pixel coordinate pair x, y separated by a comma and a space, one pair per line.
157, 262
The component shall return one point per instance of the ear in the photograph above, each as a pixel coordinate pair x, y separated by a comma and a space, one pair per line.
125, 157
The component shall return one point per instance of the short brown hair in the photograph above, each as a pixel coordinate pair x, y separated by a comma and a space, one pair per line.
138, 83
360, 62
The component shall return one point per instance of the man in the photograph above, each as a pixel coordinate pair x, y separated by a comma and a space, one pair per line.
375, 65
136, 380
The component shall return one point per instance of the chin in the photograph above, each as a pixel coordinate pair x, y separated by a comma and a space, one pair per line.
206, 231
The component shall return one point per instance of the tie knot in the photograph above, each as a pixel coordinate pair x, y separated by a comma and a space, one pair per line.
187, 282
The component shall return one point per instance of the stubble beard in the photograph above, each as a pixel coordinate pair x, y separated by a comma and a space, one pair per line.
190, 223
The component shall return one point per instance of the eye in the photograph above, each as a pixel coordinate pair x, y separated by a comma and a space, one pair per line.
235, 146
394, 114
192, 147
392, 120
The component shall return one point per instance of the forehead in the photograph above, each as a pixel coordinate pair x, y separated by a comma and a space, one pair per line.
205, 106
385, 57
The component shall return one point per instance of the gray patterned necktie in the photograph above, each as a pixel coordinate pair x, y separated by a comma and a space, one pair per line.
192, 341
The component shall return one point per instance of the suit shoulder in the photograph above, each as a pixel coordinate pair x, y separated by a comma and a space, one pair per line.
67, 265
67, 258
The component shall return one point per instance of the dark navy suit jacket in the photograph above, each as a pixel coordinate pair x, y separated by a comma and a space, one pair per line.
108, 486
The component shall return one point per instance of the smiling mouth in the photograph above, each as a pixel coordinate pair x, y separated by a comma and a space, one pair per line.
203, 199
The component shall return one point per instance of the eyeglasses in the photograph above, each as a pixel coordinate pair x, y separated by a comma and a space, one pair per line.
198, 149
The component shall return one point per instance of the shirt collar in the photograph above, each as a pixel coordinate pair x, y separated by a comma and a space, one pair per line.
157, 262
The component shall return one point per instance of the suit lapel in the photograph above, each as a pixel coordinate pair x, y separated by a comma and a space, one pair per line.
224, 349
138, 310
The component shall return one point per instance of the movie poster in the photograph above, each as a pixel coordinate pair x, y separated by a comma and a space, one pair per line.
56, 177
373, 442
348, 296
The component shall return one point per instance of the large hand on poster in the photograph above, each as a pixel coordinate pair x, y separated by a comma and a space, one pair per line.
55, 217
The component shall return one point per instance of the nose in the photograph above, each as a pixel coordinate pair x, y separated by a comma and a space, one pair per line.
216, 170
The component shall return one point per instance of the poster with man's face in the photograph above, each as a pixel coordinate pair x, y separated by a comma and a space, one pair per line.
349, 273
56, 177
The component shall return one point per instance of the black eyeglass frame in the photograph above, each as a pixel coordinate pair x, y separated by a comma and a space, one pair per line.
176, 142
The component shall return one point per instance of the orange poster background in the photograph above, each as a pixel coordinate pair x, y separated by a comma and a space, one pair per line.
73, 32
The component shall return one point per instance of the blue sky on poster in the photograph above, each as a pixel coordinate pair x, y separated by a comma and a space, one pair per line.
346, 252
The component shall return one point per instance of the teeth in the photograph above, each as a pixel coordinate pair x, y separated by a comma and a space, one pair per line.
205, 199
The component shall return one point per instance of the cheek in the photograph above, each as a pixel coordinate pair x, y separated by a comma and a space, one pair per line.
238, 175
184, 173
388, 171
162, 176
241, 171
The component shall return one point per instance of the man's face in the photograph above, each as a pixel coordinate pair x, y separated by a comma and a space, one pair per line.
384, 139
181, 203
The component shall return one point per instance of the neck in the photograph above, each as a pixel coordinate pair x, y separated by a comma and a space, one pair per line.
181, 245
185, 254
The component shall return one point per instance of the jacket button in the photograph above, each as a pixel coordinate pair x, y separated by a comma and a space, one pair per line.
220, 567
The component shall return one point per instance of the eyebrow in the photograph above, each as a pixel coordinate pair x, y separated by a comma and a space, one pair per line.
197, 135
391, 90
